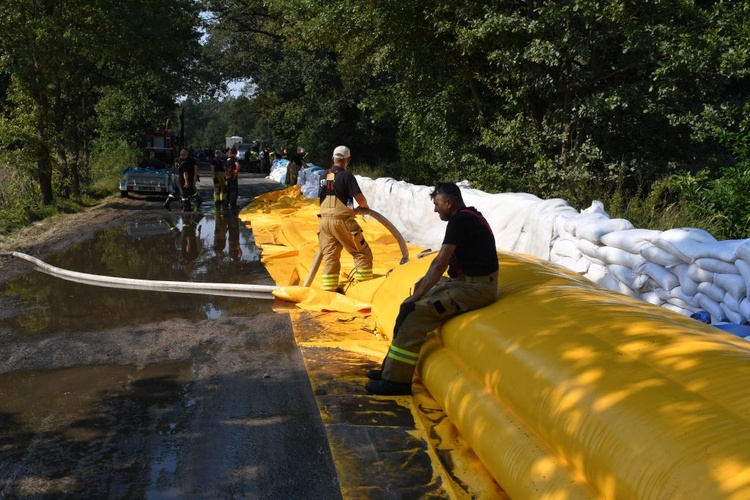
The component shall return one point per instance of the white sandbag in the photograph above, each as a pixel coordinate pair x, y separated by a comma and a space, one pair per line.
679, 303
559, 227
589, 249
732, 315
743, 251
565, 248
630, 240
624, 289
633, 280
612, 255
678, 293
663, 294
579, 266
731, 303
594, 230
677, 309
699, 275
659, 274
732, 283
611, 283
725, 250
715, 292
654, 254
572, 224
685, 242
711, 307
597, 207
716, 265
744, 268
652, 298
745, 308
596, 272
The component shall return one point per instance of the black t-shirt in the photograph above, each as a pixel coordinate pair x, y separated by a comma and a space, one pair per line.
217, 164
345, 185
475, 253
186, 165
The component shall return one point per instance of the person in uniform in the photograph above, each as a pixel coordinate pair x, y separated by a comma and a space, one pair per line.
220, 180
232, 171
184, 177
469, 254
338, 227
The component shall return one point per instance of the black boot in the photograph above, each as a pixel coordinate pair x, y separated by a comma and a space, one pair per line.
167, 203
375, 374
388, 388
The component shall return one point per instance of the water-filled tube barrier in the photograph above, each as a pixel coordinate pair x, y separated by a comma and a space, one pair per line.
567, 390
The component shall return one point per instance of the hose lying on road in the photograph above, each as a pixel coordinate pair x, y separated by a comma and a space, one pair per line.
223, 289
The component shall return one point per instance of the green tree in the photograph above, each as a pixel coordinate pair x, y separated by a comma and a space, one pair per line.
81, 69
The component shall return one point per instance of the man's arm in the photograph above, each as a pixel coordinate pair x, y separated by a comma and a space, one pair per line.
361, 200
433, 274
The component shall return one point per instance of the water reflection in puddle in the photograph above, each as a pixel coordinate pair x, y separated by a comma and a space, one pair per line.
177, 247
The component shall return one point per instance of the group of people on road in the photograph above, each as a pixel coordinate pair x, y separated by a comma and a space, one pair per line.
185, 176
468, 254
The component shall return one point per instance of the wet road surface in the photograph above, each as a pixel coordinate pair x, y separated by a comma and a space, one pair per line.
108, 393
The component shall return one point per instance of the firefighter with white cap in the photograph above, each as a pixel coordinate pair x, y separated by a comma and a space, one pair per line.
338, 226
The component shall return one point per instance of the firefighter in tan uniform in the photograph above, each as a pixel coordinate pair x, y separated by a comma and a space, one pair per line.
469, 254
338, 227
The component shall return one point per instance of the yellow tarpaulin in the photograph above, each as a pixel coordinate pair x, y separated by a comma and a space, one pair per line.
563, 389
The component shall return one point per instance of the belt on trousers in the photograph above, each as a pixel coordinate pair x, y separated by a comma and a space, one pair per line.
489, 278
335, 216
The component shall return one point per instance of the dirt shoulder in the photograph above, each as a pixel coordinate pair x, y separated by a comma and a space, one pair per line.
51, 235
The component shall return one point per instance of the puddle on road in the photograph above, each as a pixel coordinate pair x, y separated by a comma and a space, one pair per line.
174, 247
114, 430
68, 429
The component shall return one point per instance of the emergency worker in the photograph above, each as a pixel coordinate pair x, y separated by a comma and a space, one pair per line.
469, 254
232, 171
220, 180
296, 162
338, 227
184, 177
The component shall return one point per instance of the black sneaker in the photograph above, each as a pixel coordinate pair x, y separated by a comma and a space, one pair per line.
375, 374
387, 388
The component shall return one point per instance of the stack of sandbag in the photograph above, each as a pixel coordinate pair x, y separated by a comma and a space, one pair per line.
684, 269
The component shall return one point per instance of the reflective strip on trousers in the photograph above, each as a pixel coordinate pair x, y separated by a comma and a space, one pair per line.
330, 281
398, 354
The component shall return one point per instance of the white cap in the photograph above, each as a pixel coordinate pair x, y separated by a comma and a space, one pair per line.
341, 152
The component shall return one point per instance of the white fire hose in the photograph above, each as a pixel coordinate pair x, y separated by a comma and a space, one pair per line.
223, 289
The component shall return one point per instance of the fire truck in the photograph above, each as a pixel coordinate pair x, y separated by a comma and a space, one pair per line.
154, 175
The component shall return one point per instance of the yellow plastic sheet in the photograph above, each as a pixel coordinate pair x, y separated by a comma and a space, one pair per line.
563, 389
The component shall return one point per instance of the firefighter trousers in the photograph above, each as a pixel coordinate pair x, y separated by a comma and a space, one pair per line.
337, 233
416, 319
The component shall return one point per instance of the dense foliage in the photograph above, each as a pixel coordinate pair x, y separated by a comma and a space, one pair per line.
640, 104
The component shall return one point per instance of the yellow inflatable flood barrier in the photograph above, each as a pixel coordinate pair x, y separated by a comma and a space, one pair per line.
567, 390
562, 388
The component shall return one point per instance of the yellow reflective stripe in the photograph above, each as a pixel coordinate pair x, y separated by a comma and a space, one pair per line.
396, 357
363, 274
330, 282
403, 355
